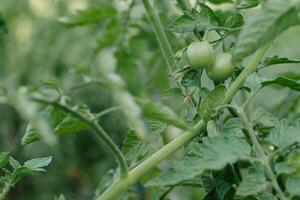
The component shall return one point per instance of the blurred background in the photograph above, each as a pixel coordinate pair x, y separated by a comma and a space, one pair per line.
40, 43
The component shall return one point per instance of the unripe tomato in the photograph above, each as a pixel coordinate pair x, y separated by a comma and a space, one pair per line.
170, 134
222, 67
200, 55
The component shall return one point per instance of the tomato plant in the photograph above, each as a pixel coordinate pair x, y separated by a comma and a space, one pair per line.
149, 99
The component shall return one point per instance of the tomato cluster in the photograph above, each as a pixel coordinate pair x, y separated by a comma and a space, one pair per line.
200, 55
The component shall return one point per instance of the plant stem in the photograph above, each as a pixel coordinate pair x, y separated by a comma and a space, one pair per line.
160, 33
120, 186
99, 132
261, 154
235, 86
162, 39
106, 111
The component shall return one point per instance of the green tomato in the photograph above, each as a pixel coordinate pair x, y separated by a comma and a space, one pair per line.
222, 67
200, 55
170, 134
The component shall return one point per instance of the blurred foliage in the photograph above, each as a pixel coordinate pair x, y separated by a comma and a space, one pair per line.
67, 39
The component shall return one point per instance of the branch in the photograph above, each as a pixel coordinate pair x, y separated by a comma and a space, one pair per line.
99, 132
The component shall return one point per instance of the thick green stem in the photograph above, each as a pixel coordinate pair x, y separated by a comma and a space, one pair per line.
120, 186
160, 33
99, 132
261, 154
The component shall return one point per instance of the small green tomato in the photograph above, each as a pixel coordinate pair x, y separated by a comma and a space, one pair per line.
222, 67
200, 55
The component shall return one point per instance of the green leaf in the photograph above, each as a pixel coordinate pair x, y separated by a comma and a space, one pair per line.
37, 164
88, 16
253, 82
284, 134
264, 118
292, 186
284, 82
105, 182
14, 163
234, 21
4, 158
266, 196
213, 154
190, 78
244, 4
212, 101
195, 20
185, 6
275, 17
277, 60
219, 1
156, 111
31, 135
283, 168
70, 124
253, 183
232, 126
133, 147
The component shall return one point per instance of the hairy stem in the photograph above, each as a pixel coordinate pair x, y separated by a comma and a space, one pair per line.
99, 132
261, 154
120, 186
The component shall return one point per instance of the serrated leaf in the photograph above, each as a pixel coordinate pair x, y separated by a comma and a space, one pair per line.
275, 17
156, 111
284, 134
14, 163
4, 158
30, 135
70, 124
234, 21
283, 168
277, 60
253, 183
105, 182
88, 16
264, 118
292, 186
133, 147
244, 4
213, 154
37, 164
212, 101
190, 78
284, 82
172, 92
253, 82
194, 20
232, 126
